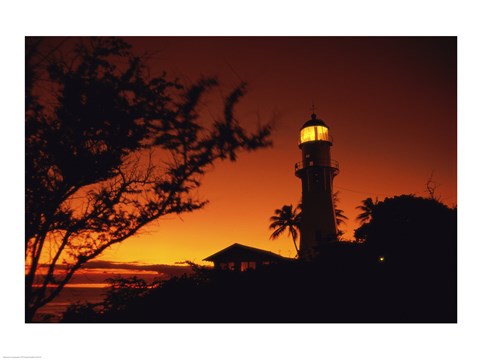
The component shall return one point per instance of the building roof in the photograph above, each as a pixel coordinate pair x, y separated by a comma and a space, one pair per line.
239, 252
314, 122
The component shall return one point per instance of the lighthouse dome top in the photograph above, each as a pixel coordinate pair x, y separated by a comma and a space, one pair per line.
314, 130
314, 121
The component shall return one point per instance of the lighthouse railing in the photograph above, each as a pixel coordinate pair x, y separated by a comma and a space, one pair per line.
320, 163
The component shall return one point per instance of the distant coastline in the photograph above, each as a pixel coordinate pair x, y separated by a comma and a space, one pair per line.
82, 291
92, 293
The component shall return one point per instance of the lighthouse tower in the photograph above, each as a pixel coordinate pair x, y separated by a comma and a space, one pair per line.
316, 170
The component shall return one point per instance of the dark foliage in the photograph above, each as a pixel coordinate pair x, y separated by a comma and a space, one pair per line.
409, 229
286, 219
405, 272
109, 149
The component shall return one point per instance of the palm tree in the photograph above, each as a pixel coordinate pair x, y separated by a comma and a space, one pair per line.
286, 218
367, 209
340, 217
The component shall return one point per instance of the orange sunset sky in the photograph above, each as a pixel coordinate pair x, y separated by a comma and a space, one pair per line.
390, 103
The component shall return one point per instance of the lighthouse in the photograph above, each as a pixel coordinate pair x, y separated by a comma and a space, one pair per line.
316, 170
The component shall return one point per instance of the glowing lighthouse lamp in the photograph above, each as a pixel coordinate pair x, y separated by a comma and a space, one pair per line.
316, 170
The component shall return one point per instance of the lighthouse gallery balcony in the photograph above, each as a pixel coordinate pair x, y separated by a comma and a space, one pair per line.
303, 164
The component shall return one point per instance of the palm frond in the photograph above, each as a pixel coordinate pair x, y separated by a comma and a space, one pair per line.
287, 217
277, 233
366, 208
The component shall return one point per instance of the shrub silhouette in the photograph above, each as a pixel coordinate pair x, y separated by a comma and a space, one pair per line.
347, 282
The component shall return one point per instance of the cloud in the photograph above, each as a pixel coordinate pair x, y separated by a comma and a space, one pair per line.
134, 266
173, 270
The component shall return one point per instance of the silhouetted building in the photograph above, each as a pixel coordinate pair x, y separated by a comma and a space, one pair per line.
316, 170
240, 258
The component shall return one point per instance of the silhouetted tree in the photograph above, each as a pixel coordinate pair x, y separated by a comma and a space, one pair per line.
415, 240
340, 217
286, 218
405, 287
122, 292
109, 149
431, 188
412, 230
360, 233
367, 208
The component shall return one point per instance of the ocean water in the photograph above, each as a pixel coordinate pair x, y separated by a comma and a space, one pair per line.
69, 295
91, 287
